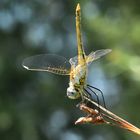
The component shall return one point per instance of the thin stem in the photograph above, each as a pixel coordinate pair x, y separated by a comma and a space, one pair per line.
121, 122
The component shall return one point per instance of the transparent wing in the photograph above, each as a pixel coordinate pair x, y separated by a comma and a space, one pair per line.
96, 55
91, 57
74, 61
48, 62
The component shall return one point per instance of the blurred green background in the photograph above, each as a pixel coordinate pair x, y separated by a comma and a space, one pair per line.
33, 105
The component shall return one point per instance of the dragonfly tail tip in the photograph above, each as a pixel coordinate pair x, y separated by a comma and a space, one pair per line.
78, 7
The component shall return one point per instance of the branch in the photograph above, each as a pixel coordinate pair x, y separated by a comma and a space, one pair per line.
104, 117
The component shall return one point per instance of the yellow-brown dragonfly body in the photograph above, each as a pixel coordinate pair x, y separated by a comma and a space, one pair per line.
76, 67
79, 69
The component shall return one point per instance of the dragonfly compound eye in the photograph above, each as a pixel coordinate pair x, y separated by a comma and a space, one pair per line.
72, 93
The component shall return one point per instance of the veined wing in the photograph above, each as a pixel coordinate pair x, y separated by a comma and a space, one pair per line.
96, 55
91, 57
48, 62
74, 61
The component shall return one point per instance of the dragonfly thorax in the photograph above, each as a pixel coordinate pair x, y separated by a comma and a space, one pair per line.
77, 81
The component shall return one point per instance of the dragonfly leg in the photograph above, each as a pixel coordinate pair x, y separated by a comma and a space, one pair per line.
83, 95
87, 94
90, 97
100, 93
81, 102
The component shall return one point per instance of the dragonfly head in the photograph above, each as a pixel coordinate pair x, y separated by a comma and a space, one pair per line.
72, 93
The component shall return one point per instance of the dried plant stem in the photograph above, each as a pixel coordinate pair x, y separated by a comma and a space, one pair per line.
105, 116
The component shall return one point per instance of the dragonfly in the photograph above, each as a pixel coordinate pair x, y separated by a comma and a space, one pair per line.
77, 69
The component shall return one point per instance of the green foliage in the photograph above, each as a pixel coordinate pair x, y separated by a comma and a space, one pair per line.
33, 105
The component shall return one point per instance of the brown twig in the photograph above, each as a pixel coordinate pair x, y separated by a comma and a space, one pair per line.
104, 117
